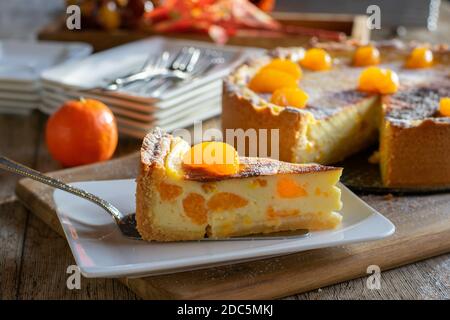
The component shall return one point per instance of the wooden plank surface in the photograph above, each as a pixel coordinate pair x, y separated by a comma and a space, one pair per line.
354, 26
18, 146
423, 230
29, 246
428, 279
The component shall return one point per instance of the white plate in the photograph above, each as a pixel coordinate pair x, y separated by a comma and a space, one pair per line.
19, 96
20, 111
5, 103
126, 58
138, 104
19, 86
23, 61
56, 98
138, 129
100, 250
201, 112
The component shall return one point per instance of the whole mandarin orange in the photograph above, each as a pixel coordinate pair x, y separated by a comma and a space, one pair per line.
81, 132
109, 16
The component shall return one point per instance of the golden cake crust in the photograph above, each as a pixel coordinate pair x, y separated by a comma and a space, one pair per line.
415, 141
155, 147
238, 112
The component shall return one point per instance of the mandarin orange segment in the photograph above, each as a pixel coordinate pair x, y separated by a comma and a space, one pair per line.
213, 157
390, 82
272, 213
369, 78
316, 59
285, 65
377, 80
269, 80
289, 188
420, 57
317, 191
258, 183
223, 201
444, 107
194, 207
293, 97
209, 187
169, 192
366, 56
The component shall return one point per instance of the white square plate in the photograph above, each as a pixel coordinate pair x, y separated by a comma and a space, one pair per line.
123, 59
21, 62
100, 250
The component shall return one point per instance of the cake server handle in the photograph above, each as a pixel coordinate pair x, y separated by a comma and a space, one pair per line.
15, 167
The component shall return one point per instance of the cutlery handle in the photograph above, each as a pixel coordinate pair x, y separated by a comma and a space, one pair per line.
123, 81
140, 76
143, 75
15, 167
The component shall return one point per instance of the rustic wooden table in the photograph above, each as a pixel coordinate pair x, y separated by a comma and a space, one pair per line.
33, 258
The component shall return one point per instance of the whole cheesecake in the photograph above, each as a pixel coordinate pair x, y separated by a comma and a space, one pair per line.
339, 120
263, 196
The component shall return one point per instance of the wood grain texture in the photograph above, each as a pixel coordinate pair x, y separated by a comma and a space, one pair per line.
354, 26
428, 279
17, 131
43, 275
13, 222
423, 230
45, 278
26, 273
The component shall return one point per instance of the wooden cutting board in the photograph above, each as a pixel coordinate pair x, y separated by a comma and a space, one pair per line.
423, 230
353, 26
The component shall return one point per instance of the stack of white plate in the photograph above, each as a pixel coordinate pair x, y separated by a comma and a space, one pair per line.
138, 111
21, 63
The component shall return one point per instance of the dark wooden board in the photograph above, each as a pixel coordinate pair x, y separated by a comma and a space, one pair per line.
423, 230
354, 26
362, 176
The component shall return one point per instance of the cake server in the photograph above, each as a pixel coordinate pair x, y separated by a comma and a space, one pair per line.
127, 222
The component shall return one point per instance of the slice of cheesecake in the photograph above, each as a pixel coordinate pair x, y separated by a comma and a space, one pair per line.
175, 202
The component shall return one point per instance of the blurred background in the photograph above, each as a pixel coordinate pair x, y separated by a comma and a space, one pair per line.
24, 18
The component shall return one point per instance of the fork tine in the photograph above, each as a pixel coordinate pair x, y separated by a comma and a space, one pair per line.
176, 60
184, 60
193, 61
162, 62
147, 61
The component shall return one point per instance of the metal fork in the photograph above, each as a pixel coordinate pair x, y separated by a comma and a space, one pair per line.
149, 68
125, 222
180, 66
209, 60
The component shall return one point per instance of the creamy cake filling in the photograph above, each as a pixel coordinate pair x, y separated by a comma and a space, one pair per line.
265, 196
